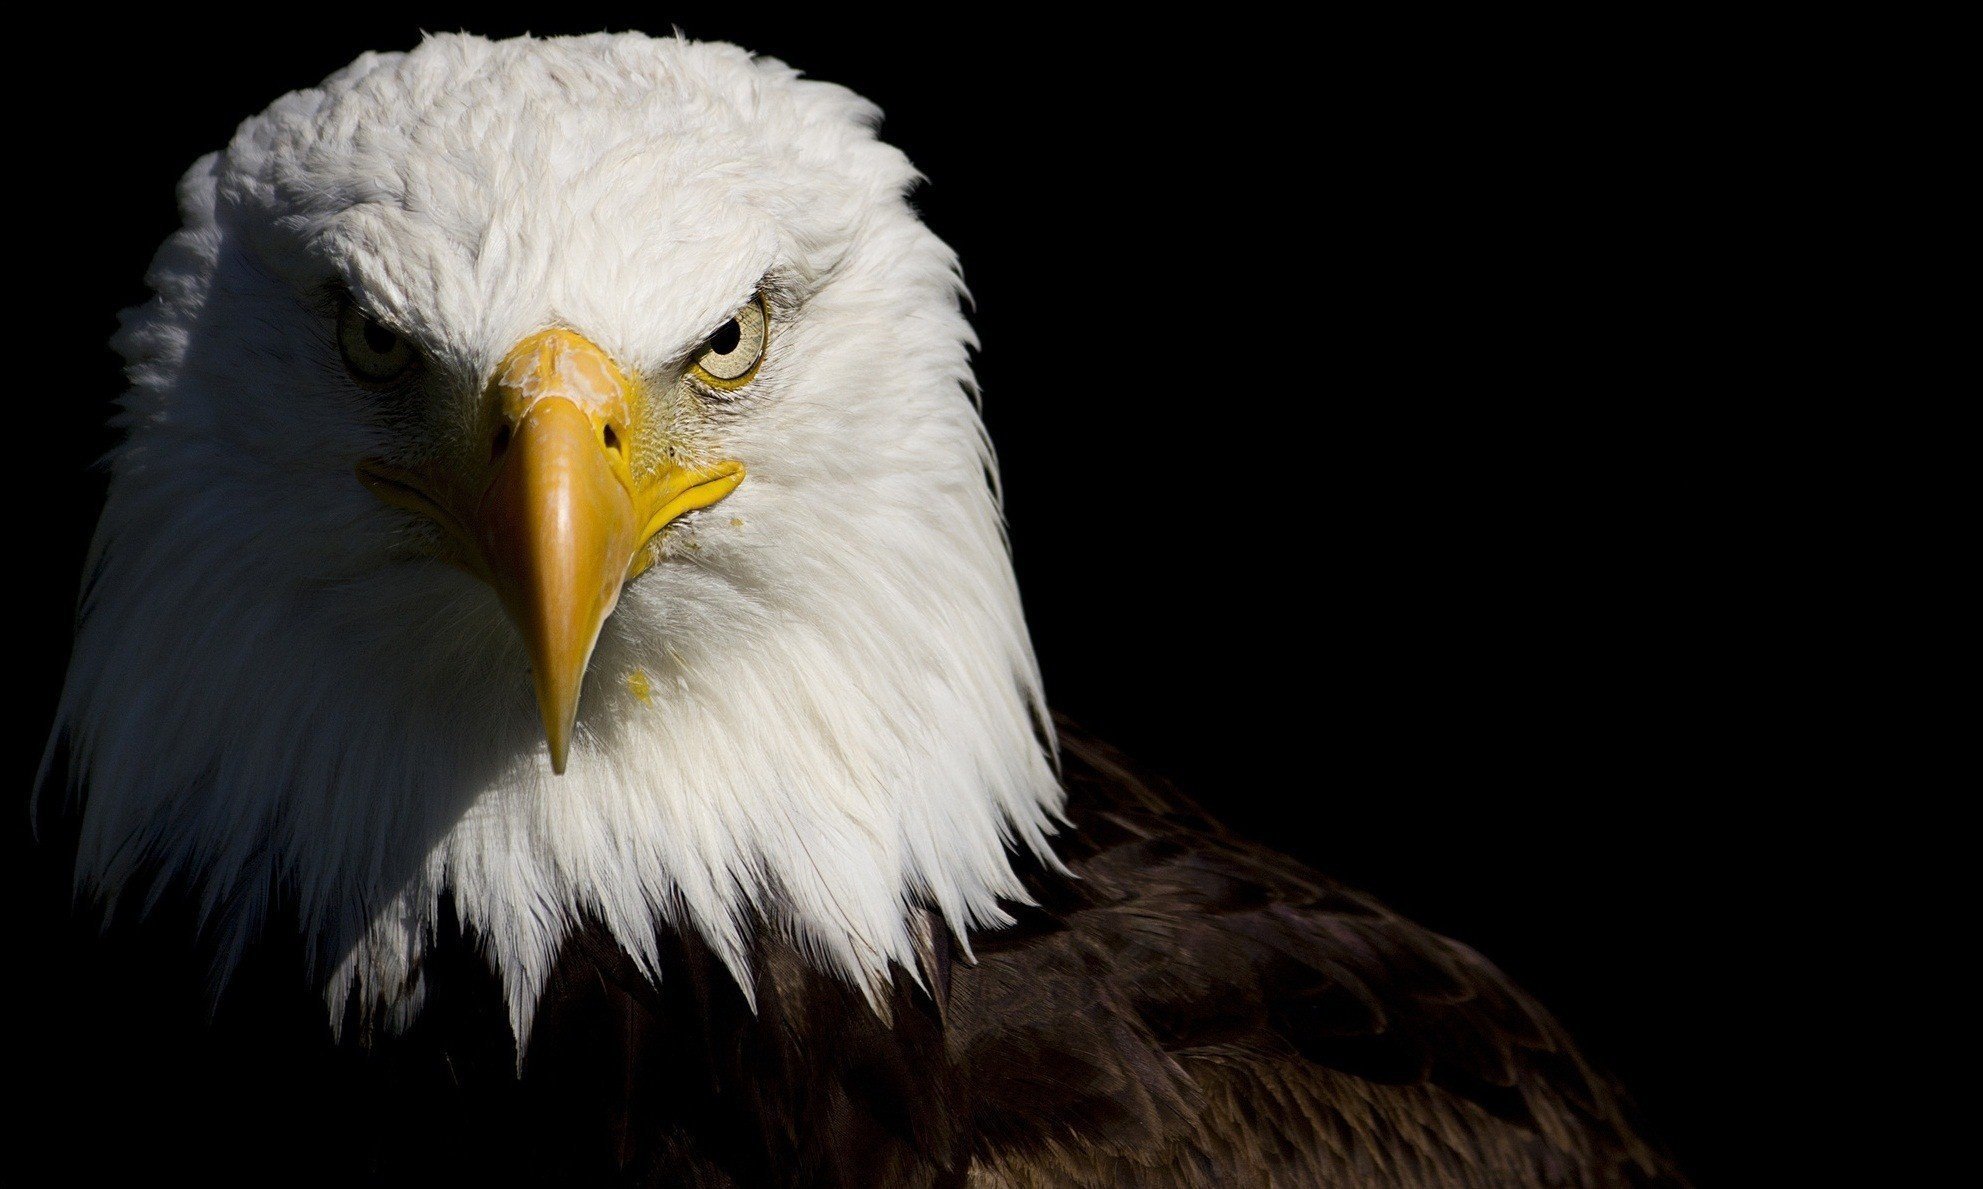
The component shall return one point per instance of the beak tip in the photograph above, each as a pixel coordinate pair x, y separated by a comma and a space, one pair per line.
557, 708
559, 743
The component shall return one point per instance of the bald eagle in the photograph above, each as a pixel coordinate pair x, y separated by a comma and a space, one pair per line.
553, 571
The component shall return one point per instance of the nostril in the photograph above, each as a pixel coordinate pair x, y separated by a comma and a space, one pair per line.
501, 443
610, 438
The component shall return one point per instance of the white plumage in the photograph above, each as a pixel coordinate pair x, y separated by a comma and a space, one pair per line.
821, 706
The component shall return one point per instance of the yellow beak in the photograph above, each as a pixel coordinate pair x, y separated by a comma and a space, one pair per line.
557, 530
560, 523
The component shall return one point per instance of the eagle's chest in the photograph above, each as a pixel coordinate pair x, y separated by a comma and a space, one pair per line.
629, 1082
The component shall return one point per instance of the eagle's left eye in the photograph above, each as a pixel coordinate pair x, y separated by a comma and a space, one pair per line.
728, 359
373, 351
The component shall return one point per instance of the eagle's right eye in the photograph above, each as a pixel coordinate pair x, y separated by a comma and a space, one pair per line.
374, 352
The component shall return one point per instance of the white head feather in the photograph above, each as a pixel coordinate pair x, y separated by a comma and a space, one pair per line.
270, 700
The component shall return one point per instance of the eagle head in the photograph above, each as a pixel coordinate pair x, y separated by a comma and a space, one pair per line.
552, 478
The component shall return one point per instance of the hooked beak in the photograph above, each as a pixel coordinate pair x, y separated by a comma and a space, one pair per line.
563, 517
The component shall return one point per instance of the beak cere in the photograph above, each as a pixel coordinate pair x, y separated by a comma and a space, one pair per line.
561, 511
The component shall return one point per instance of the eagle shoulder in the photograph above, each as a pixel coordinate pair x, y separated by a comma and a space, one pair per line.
1194, 1008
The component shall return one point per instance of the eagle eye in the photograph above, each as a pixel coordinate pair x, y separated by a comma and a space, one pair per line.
373, 352
728, 359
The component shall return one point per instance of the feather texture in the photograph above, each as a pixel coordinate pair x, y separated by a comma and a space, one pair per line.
1183, 1008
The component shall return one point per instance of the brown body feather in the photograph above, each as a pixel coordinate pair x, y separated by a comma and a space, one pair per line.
1191, 1009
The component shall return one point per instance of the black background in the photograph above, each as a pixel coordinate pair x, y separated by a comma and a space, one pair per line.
1437, 598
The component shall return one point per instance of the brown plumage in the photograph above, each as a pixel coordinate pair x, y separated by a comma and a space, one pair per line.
1190, 1009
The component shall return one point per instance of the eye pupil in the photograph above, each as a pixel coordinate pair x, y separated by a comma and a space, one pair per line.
379, 339
726, 338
